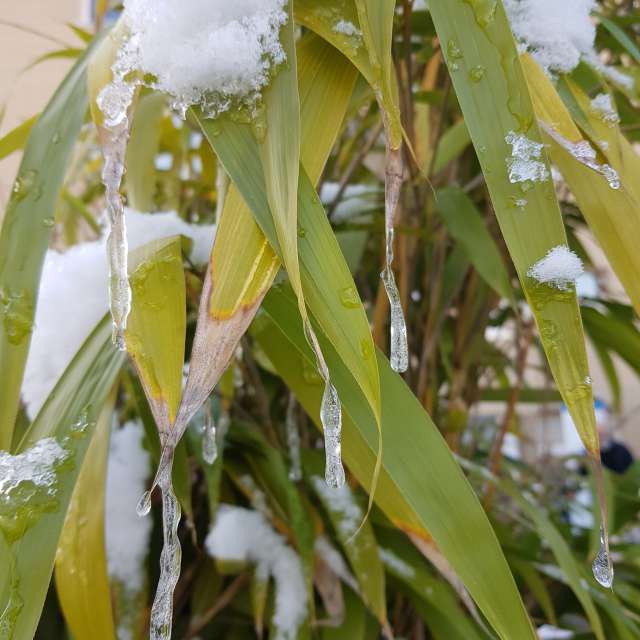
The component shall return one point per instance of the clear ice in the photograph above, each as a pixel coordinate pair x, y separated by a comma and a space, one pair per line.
584, 153
525, 164
293, 441
209, 446
114, 101
171, 555
330, 417
399, 348
602, 566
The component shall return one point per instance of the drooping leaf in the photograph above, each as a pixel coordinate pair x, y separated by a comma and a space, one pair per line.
69, 415
26, 229
488, 79
82, 580
425, 499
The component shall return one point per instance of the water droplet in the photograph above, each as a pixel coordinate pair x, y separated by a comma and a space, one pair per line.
144, 504
48, 222
453, 51
366, 348
518, 203
17, 311
476, 73
483, 10
602, 566
302, 232
349, 298
209, 446
24, 183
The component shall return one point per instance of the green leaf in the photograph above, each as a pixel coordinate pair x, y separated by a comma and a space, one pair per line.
476, 37
16, 138
620, 35
465, 224
433, 498
69, 415
155, 334
82, 579
26, 229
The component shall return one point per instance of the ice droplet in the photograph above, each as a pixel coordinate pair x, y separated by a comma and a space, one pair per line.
399, 349
144, 504
209, 446
331, 418
584, 153
602, 566
293, 441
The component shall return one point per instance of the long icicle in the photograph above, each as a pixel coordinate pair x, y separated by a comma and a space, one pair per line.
330, 417
602, 566
171, 555
399, 349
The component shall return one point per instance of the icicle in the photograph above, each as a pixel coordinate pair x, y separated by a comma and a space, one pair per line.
602, 566
209, 447
330, 417
399, 350
584, 153
171, 555
293, 441
114, 101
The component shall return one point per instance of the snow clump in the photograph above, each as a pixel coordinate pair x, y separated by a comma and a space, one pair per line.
559, 268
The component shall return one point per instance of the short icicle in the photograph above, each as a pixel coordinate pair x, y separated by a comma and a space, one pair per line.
330, 417
293, 441
209, 446
171, 555
399, 350
602, 566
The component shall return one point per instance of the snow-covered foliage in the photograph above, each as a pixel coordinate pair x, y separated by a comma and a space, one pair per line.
334, 560
603, 106
127, 535
559, 34
73, 297
211, 53
340, 501
346, 28
525, 163
559, 268
244, 535
395, 564
549, 632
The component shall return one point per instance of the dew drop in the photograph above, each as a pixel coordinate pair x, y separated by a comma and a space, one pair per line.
476, 73
349, 298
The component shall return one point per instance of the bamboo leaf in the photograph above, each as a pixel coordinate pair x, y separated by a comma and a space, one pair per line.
69, 415
26, 229
82, 580
16, 138
157, 324
425, 499
613, 214
488, 78
466, 225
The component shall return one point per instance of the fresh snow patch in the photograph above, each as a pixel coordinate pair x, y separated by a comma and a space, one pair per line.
334, 560
212, 53
395, 564
30, 474
603, 106
340, 501
559, 34
548, 632
127, 535
347, 28
245, 535
559, 268
73, 296
525, 164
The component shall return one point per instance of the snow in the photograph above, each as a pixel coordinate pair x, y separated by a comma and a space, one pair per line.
23, 476
396, 564
603, 106
347, 28
334, 560
127, 535
212, 53
73, 297
245, 535
559, 34
559, 268
341, 502
525, 163
548, 632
